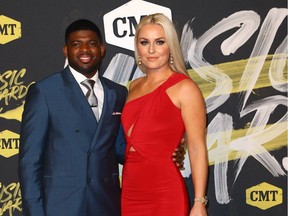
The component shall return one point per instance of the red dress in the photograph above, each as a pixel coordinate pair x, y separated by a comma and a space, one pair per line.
152, 184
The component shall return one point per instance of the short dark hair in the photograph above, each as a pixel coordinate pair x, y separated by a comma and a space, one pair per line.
83, 24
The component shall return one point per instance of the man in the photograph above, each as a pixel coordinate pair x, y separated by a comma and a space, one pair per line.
67, 160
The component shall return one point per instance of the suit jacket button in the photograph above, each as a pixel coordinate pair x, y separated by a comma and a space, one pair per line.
106, 180
89, 180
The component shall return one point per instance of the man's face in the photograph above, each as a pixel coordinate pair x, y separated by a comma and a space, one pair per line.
84, 52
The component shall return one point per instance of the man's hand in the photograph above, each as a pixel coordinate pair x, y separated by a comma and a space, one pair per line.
178, 155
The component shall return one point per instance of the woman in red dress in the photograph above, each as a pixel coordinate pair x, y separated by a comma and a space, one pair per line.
161, 107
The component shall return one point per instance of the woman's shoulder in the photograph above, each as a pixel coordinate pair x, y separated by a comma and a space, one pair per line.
183, 80
186, 85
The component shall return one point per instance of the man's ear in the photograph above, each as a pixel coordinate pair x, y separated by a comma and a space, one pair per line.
65, 51
102, 50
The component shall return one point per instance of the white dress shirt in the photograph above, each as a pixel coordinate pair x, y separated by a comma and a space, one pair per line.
98, 88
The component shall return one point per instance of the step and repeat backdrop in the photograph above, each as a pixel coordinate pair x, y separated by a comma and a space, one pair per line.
236, 51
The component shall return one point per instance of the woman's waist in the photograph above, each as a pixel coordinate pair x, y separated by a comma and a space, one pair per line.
153, 148
150, 157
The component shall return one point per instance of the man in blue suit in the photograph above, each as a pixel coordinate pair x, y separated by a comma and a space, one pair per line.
68, 157
67, 160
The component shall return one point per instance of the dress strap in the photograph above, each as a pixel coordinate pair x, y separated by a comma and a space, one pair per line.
173, 79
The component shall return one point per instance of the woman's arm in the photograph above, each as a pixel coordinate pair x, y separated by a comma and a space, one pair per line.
193, 112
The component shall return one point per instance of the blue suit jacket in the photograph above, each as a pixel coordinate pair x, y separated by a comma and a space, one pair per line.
67, 161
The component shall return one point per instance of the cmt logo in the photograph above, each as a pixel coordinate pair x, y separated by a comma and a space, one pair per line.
9, 29
119, 24
264, 196
9, 143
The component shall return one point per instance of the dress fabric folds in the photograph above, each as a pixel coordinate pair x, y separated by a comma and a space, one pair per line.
152, 184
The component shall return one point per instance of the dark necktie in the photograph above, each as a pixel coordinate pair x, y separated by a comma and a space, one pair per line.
91, 97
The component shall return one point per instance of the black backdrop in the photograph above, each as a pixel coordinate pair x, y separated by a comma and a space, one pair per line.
247, 137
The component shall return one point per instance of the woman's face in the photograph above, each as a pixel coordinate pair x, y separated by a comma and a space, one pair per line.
152, 47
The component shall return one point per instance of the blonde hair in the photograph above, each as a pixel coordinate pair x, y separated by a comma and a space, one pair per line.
172, 41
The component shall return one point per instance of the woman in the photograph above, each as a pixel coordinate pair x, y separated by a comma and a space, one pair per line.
161, 107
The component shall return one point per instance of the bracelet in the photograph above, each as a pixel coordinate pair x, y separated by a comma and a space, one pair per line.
203, 200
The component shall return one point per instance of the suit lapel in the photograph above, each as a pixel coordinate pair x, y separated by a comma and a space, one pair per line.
108, 106
78, 101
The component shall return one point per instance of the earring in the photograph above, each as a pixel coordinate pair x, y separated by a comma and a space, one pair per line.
139, 60
171, 59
